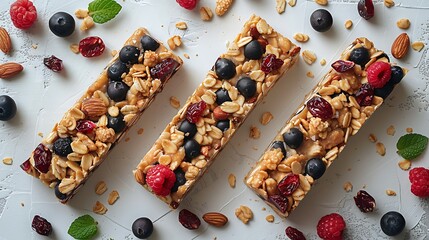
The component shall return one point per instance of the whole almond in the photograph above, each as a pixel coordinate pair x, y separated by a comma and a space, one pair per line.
219, 114
10, 69
216, 219
5, 43
93, 107
400, 46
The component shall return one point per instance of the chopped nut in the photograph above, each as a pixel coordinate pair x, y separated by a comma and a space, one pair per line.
206, 13
417, 46
174, 41
347, 186
372, 138
389, 3
181, 25
87, 23
114, 52
140, 131
81, 13
281, 6
292, 3
222, 6
254, 132
266, 118
322, 2
231, 180
403, 23
309, 57
310, 74
380, 148
301, 37
409, 130
323, 62
174, 102
348, 24
269, 218
100, 188
391, 130
405, 164
74, 48
113, 196
244, 213
99, 208
186, 56
7, 160
34, 46
390, 192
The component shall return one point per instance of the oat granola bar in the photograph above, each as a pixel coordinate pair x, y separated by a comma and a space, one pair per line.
80, 142
240, 78
318, 131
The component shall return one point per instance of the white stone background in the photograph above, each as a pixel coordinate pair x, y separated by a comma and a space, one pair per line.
43, 96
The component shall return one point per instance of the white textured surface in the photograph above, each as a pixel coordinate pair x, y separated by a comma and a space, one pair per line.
43, 96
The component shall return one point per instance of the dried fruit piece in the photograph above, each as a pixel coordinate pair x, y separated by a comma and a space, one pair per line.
342, 66
164, 69
85, 126
319, 107
294, 234
26, 165
279, 202
42, 158
189, 220
195, 111
364, 201
41, 225
215, 218
271, 63
53, 63
364, 95
400, 46
366, 9
288, 185
91, 46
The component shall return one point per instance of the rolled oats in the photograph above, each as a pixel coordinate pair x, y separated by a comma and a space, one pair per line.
99, 208
409, 130
292, 3
100, 188
309, 57
174, 102
403, 23
380, 148
81, 13
347, 186
323, 62
74, 48
390, 192
206, 14
231, 180
7, 160
417, 46
174, 41
181, 25
404, 164
322, 2
266, 118
372, 138
391, 130
87, 23
310, 74
244, 213
301, 37
113, 197
281, 6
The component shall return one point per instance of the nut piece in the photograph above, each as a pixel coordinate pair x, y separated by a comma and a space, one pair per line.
244, 213
281, 6
391, 130
99, 208
364, 201
174, 102
417, 46
216, 219
254, 132
5, 43
10, 69
400, 46
409, 130
174, 41
372, 138
113, 196
7, 160
389, 3
292, 3
269, 218
231, 180
206, 13
100, 188
380, 148
266, 118
347, 186
348, 24
390, 192
87, 23
405, 164
222, 6
93, 107
310, 74
301, 37
81, 13
323, 62
322, 2
181, 25
309, 57
74, 48
403, 23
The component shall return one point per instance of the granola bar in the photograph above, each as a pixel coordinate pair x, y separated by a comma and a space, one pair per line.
81, 140
319, 129
240, 78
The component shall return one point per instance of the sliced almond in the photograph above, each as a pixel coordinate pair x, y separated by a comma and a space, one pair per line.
389, 3
400, 46
5, 42
10, 69
309, 56
404, 164
417, 46
100, 188
113, 197
281, 6
181, 25
266, 118
7, 160
206, 14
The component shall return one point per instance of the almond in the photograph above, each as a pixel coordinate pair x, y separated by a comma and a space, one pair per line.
216, 219
5, 43
93, 107
10, 69
219, 114
400, 46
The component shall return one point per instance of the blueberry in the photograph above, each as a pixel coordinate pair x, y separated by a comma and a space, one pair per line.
129, 54
142, 227
59, 194
385, 91
115, 71
359, 56
148, 43
117, 91
192, 149
247, 87
397, 75
281, 145
253, 50
7, 108
293, 138
188, 128
223, 125
62, 147
116, 123
392, 223
384, 55
225, 68
62, 24
315, 167
222, 96
180, 179
321, 20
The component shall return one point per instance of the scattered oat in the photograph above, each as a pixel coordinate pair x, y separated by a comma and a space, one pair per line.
403, 23
181, 25
40, 134
347, 186
34, 46
372, 138
222, 6
174, 41
263, 209
254, 132
281, 6
390, 192
380, 148
186, 56
269, 218
81, 13
231, 180
292, 3
100, 188
409, 130
391, 130
417, 46
114, 52
389, 3
266, 118
127, 139
113, 196
7, 160
140, 131
310, 74
255, 148
99, 208
301, 37
74, 48
244, 213
322, 2
206, 14
323, 62
404, 164
348, 24
174, 102
87, 23
309, 56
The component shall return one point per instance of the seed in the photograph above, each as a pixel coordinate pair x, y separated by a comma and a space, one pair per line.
323, 62
310, 74
231, 180
292, 3
348, 24
380, 148
409, 130
390, 192
301, 37
372, 138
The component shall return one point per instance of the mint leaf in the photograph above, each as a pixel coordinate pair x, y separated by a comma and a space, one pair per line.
411, 145
103, 11
83, 228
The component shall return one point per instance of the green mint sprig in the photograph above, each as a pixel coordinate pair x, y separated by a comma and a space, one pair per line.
103, 11
83, 228
411, 145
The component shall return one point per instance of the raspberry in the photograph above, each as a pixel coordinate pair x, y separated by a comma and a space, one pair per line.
23, 14
188, 4
330, 227
378, 74
160, 179
419, 178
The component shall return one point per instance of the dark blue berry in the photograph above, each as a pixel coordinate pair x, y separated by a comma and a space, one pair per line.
281, 146
116, 123
392, 223
192, 149
397, 75
223, 125
222, 96
62, 24
129, 54
59, 194
7, 108
148, 43
384, 55
117, 91
115, 71
142, 228
180, 179
62, 147
315, 167
247, 87
293, 138
225, 68
188, 128
360, 56
321, 20
253, 50
385, 91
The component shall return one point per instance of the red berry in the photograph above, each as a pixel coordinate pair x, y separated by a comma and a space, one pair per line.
366, 9
195, 111
53, 63
164, 69
294, 234
254, 33
288, 184
364, 95
378, 74
342, 66
42, 158
85, 126
364, 201
23, 14
419, 178
91, 46
271, 63
189, 220
330, 227
281, 203
320, 108
188, 4
41, 226
26, 165
160, 179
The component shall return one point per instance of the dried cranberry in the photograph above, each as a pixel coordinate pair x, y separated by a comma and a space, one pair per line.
41, 226
279, 202
364, 95
294, 234
195, 111
91, 46
263, 42
271, 63
319, 107
85, 126
164, 69
366, 9
189, 220
26, 165
42, 158
342, 66
53, 63
254, 33
364, 201
288, 184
